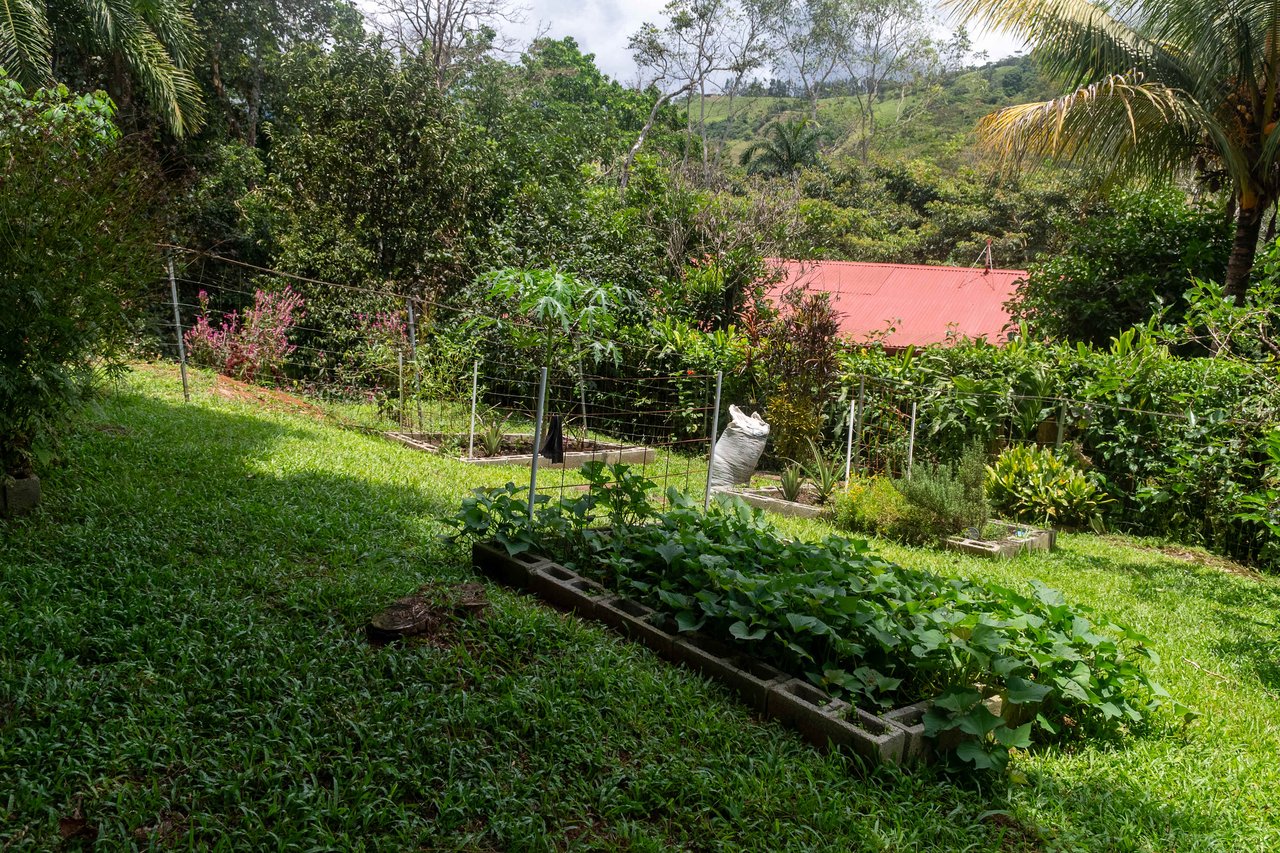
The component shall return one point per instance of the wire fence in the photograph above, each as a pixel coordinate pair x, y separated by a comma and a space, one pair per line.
475, 407
378, 374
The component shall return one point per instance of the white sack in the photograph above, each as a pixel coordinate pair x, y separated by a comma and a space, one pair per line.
738, 450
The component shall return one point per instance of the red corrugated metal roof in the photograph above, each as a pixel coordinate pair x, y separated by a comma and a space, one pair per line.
922, 304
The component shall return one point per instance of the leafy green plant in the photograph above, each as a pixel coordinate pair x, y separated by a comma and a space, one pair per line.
872, 506
76, 259
836, 614
823, 473
791, 482
1036, 485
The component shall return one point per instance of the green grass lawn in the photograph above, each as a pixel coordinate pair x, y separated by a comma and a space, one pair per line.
182, 663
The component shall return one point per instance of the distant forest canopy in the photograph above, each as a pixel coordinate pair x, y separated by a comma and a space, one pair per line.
408, 146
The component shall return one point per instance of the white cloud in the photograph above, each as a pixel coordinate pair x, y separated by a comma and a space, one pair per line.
603, 27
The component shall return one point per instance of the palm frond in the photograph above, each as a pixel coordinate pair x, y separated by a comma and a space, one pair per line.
1124, 125
1077, 41
26, 42
168, 87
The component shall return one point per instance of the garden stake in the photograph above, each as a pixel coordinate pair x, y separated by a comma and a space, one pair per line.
537, 440
715, 428
177, 327
475, 385
911, 442
413, 354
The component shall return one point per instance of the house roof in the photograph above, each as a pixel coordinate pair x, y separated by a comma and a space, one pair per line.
921, 304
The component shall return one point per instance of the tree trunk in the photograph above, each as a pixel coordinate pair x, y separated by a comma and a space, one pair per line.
1245, 246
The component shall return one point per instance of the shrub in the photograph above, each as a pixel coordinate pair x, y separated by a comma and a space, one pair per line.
943, 500
1036, 485
249, 345
871, 506
77, 255
791, 482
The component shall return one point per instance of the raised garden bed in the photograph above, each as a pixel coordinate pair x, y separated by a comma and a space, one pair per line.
517, 449
897, 737
770, 499
1003, 540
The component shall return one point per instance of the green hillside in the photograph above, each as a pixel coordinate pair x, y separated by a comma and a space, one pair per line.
931, 120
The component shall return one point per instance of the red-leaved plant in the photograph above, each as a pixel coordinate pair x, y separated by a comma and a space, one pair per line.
250, 344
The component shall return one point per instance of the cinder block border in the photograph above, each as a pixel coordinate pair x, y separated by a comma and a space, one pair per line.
1007, 546
632, 454
823, 720
770, 500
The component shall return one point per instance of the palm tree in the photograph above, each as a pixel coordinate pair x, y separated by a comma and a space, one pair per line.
785, 148
1159, 88
146, 43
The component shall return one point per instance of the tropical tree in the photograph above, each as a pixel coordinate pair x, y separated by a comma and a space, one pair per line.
785, 148
147, 44
1159, 88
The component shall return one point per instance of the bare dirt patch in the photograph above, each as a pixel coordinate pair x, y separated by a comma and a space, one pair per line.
267, 398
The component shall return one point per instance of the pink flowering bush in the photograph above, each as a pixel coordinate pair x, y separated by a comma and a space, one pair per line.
250, 344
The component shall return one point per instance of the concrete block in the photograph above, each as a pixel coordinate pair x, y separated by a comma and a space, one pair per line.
632, 619
19, 496
564, 589
832, 723
495, 563
916, 747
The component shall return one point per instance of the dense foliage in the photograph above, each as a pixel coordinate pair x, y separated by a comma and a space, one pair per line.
1173, 443
833, 612
1035, 485
1134, 256
75, 256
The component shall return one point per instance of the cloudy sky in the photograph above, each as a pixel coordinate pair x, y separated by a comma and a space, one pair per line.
602, 27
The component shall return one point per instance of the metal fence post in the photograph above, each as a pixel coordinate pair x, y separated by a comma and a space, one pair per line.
177, 328
1062, 425
848, 447
475, 387
911, 442
400, 374
715, 429
413, 354
862, 399
537, 440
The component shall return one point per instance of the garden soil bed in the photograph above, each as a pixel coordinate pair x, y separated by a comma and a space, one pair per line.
267, 398
517, 449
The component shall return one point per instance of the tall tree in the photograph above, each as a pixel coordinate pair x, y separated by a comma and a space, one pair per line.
700, 39
1158, 88
447, 35
885, 37
813, 39
144, 46
243, 42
